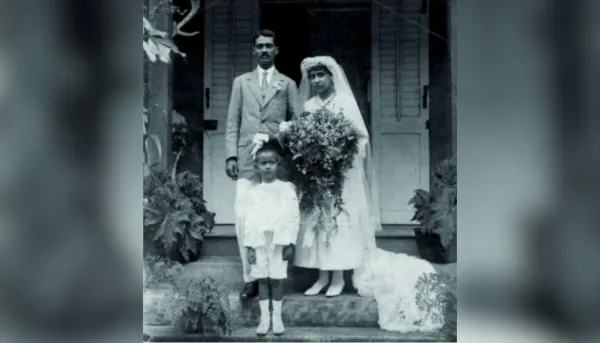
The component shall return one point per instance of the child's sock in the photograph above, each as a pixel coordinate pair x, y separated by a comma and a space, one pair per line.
278, 328
265, 318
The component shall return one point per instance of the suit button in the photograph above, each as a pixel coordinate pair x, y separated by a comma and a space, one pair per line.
262, 121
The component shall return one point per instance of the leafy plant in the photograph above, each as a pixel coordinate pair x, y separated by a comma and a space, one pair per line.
200, 306
436, 211
422, 201
436, 294
160, 271
175, 214
158, 44
445, 175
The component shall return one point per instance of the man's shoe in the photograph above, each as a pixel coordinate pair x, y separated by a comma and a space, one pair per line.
249, 292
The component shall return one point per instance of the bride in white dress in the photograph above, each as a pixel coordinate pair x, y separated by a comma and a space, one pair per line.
389, 278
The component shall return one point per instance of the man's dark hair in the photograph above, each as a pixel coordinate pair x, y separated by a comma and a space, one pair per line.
264, 33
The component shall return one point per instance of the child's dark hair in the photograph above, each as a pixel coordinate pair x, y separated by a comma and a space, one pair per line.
271, 145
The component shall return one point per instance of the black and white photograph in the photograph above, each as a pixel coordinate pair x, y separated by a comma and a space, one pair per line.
296, 174
300, 170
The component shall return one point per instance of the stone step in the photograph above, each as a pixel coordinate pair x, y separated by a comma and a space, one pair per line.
227, 270
395, 238
347, 310
293, 334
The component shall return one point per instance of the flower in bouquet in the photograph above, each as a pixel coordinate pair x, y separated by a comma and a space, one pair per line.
323, 145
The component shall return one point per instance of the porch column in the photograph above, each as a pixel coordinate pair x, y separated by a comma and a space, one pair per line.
440, 84
452, 23
159, 91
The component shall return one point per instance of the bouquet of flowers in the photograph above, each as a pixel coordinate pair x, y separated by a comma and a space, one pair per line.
323, 145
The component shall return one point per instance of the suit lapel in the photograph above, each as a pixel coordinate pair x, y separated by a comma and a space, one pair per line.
255, 86
276, 80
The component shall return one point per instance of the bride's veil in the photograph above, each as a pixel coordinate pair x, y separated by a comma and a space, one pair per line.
352, 111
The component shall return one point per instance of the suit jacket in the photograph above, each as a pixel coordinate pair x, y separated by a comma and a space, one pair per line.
250, 113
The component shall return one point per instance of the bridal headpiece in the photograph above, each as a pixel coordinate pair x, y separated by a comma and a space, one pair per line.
338, 77
318, 61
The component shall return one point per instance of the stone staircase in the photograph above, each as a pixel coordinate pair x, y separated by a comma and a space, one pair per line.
346, 318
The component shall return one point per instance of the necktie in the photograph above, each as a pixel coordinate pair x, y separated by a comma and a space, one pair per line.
264, 84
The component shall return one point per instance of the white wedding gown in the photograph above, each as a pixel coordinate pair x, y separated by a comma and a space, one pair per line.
347, 246
392, 279
388, 277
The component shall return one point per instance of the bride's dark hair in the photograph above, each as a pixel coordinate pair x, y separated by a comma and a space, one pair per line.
320, 67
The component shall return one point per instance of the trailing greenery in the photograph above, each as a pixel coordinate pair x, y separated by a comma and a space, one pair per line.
436, 210
323, 145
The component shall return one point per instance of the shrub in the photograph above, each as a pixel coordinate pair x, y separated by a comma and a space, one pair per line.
436, 294
200, 306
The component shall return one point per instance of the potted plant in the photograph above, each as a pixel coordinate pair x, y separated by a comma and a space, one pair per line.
176, 219
200, 306
435, 212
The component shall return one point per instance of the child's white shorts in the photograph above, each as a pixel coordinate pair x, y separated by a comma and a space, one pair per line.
269, 261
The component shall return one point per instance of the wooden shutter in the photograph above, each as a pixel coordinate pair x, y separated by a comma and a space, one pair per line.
400, 136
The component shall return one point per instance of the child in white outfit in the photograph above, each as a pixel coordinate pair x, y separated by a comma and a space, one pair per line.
271, 225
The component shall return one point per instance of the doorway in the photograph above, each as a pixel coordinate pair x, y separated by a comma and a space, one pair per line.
341, 30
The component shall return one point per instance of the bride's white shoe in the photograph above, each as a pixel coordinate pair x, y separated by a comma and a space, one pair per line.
337, 284
319, 285
316, 288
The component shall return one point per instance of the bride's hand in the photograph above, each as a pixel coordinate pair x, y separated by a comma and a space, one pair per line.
362, 149
284, 126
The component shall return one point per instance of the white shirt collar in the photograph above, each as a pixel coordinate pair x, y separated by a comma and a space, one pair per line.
269, 71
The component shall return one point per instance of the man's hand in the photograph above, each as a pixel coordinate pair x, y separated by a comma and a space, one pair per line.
231, 168
251, 256
288, 253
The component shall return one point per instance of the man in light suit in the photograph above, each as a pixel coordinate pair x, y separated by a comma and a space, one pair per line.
260, 101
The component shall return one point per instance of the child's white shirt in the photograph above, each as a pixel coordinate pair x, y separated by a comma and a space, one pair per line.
271, 207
